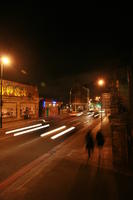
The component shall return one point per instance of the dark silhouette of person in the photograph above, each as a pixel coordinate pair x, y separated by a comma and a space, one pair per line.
89, 143
100, 139
100, 143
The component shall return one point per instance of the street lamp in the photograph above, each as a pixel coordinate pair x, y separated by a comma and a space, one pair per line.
101, 83
3, 61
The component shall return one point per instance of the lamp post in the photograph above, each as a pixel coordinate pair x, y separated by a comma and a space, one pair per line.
70, 99
101, 83
3, 61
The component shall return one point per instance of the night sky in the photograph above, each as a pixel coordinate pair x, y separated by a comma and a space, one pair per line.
58, 46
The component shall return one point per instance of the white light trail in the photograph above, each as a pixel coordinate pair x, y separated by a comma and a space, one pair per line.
24, 128
31, 130
62, 133
90, 115
96, 115
52, 131
79, 114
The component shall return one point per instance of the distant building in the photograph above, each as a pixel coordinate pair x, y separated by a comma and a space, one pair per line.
49, 107
106, 102
79, 98
19, 101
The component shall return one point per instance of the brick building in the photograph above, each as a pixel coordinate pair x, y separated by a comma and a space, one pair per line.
19, 101
49, 107
79, 98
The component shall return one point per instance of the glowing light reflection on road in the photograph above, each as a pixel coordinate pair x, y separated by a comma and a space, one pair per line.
24, 128
31, 130
52, 131
62, 133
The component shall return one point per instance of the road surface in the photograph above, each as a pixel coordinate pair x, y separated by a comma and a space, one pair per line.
34, 167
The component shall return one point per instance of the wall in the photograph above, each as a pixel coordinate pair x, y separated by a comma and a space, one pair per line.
19, 100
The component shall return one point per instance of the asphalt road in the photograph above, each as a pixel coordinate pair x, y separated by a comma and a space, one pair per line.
40, 168
17, 152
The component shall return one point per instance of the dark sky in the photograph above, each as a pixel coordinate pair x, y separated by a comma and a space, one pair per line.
60, 45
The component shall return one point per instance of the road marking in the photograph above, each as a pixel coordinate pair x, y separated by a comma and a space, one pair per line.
52, 131
21, 129
31, 130
62, 133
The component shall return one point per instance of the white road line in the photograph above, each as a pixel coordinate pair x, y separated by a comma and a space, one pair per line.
62, 133
24, 128
52, 131
31, 130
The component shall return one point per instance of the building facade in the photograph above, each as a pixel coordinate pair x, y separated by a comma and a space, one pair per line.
106, 102
79, 98
19, 101
49, 107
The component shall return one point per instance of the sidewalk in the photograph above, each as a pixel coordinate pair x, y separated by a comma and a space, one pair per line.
105, 161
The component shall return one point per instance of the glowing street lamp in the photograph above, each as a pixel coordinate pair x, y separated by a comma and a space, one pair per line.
101, 83
3, 61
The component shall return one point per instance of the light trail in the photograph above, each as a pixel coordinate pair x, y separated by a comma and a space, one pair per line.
62, 133
79, 114
52, 131
96, 115
24, 128
90, 115
31, 130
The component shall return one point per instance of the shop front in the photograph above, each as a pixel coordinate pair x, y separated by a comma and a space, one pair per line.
19, 101
49, 107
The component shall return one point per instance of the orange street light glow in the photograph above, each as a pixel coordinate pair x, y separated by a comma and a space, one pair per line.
101, 82
5, 60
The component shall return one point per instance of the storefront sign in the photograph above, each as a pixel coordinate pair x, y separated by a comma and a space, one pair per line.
14, 91
10, 88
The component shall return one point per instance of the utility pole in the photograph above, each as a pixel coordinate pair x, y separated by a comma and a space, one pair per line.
75, 102
1, 77
101, 111
70, 99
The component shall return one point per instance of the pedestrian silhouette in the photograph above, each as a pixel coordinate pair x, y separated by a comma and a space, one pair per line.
100, 139
89, 143
100, 143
